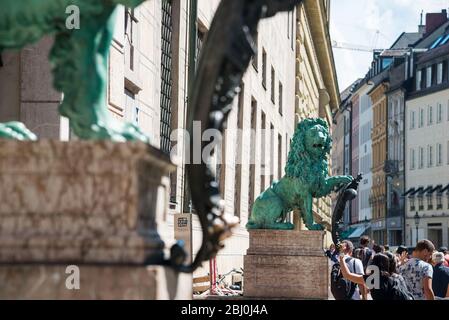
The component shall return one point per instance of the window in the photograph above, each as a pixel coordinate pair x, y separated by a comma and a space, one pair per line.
264, 68
239, 153
130, 36
412, 204
365, 133
429, 156
439, 201
418, 79
166, 78
412, 120
281, 92
429, 115
429, 202
263, 147
440, 73
421, 158
273, 84
279, 156
252, 163
420, 203
131, 107
421, 118
447, 110
255, 57
439, 154
439, 113
447, 152
365, 163
428, 77
412, 159
292, 30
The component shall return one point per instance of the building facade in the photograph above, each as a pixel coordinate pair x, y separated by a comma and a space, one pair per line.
394, 167
379, 144
316, 87
364, 150
427, 149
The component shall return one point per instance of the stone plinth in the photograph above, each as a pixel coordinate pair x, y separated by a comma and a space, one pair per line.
286, 264
98, 205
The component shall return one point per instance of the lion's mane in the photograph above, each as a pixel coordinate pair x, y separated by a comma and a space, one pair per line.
300, 162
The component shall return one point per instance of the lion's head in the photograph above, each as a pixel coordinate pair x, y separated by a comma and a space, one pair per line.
311, 144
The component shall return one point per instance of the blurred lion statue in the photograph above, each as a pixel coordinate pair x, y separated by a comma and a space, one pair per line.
306, 177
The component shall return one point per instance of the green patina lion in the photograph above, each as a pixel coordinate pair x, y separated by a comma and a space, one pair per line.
79, 60
307, 177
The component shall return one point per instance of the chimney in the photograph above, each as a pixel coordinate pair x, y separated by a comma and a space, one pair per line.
435, 20
421, 27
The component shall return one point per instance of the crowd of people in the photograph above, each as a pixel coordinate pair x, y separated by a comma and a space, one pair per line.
419, 273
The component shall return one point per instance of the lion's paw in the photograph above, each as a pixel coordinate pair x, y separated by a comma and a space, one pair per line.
16, 131
114, 130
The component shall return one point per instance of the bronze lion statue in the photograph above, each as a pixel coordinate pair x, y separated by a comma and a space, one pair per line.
306, 177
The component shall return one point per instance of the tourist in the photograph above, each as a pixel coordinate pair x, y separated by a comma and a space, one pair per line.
386, 248
378, 249
366, 253
402, 255
418, 273
353, 265
440, 281
446, 255
332, 253
392, 286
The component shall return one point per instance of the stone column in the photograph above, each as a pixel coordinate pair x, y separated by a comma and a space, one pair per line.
92, 211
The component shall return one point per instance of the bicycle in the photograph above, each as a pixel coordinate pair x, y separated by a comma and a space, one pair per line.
222, 288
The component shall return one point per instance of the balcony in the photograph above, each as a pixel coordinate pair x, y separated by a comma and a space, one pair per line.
391, 167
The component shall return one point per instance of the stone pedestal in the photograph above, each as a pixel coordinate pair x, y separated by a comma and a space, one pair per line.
286, 264
97, 205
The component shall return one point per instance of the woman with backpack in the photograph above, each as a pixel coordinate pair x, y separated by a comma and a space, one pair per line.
391, 285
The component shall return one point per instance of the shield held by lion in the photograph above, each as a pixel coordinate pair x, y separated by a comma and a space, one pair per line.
306, 177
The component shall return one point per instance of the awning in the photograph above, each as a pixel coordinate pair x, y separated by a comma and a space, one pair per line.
424, 191
413, 193
358, 232
446, 188
408, 192
347, 232
437, 188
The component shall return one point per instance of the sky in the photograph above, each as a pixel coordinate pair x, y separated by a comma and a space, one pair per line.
372, 24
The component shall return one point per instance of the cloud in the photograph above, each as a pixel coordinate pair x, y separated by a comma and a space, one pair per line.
373, 23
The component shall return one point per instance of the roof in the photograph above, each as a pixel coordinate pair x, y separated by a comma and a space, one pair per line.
345, 93
433, 54
394, 52
406, 39
430, 38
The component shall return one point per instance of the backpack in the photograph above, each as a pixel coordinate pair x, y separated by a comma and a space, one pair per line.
367, 255
341, 288
399, 290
